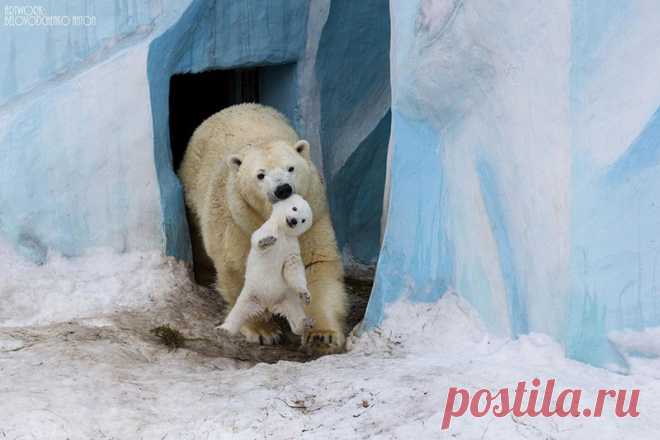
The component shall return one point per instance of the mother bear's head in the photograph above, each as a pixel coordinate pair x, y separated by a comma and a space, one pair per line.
272, 171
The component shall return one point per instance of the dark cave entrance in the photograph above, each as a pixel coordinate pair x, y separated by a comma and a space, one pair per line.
196, 96
193, 98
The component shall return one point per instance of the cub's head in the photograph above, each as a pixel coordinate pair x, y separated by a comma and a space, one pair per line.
272, 172
294, 215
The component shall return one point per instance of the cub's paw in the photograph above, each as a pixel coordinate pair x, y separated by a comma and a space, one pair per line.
308, 323
262, 332
224, 328
266, 242
302, 327
324, 341
305, 297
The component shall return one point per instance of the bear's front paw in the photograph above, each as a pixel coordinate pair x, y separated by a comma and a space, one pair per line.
323, 341
305, 297
266, 242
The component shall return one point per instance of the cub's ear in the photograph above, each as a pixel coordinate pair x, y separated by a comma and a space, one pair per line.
234, 161
302, 148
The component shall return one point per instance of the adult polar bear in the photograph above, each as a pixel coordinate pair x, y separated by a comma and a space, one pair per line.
238, 162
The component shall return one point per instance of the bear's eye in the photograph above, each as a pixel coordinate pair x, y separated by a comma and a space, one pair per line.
294, 208
303, 220
291, 169
261, 176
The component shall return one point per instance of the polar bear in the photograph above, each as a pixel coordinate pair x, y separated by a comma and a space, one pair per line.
238, 162
275, 275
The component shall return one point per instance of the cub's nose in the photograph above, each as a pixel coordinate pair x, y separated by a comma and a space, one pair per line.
283, 191
291, 222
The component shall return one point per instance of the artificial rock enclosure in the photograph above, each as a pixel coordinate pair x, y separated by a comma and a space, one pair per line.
521, 142
96, 119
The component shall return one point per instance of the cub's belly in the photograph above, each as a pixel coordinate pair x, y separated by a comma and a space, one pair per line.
268, 288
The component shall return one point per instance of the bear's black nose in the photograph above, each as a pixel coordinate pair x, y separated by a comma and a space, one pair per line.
291, 222
283, 191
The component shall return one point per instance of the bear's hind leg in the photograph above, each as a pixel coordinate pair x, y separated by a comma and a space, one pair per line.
258, 330
292, 309
246, 307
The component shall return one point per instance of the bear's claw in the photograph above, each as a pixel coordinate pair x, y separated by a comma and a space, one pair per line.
324, 341
266, 242
262, 333
305, 297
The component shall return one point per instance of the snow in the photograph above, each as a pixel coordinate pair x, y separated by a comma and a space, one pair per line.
76, 364
100, 282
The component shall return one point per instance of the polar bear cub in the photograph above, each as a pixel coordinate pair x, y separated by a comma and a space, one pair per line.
275, 275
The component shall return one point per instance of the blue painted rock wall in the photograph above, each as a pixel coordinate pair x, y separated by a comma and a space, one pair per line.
75, 130
352, 69
524, 166
84, 112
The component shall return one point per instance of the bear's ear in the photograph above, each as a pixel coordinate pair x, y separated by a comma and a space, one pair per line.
302, 148
234, 162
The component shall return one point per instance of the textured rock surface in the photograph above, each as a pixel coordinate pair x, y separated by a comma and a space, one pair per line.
352, 70
524, 165
75, 130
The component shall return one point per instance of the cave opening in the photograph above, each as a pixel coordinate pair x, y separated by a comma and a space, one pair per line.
193, 98
196, 96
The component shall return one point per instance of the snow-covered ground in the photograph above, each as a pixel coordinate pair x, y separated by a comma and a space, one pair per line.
75, 363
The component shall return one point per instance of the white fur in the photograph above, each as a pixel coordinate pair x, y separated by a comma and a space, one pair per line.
228, 203
275, 274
